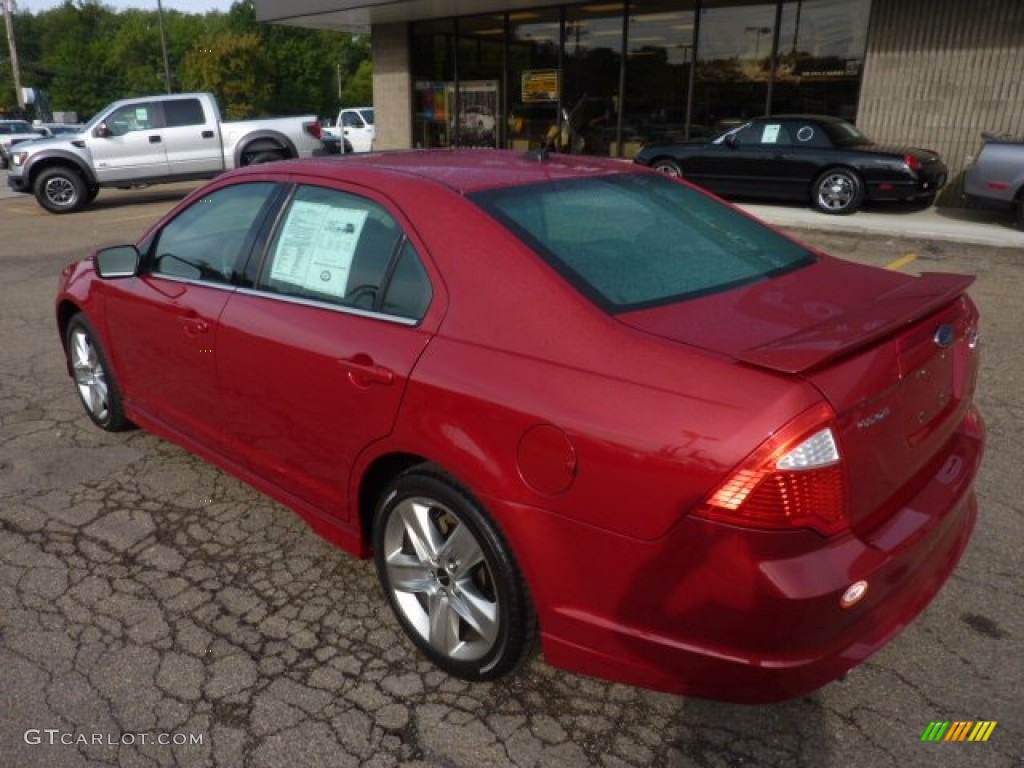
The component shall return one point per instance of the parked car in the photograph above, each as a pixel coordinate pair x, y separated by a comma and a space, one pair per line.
719, 462
47, 130
995, 178
822, 160
153, 140
355, 128
14, 132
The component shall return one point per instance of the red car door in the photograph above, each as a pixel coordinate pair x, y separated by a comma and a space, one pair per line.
315, 358
163, 324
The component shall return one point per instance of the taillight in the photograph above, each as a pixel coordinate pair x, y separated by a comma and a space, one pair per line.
912, 162
794, 479
313, 129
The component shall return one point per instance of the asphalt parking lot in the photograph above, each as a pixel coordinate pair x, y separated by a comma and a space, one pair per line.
146, 596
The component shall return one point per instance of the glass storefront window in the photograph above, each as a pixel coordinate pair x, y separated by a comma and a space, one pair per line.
534, 78
591, 75
659, 75
734, 51
574, 78
481, 63
433, 74
821, 55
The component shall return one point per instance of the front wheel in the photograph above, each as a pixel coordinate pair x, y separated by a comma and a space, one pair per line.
837, 191
94, 380
451, 578
61, 190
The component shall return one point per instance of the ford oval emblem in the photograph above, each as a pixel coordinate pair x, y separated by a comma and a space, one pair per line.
944, 336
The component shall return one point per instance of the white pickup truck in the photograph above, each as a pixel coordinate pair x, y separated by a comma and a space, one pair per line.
355, 128
152, 140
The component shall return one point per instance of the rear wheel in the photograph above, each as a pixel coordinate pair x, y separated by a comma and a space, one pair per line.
451, 578
837, 191
1018, 211
94, 380
61, 190
263, 156
668, 167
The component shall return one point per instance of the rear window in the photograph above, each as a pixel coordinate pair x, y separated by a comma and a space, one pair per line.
634, 241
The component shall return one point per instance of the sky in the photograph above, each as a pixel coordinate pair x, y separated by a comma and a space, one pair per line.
186, 6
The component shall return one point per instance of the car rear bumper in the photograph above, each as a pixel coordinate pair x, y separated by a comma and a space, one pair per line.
740, 615
906, 190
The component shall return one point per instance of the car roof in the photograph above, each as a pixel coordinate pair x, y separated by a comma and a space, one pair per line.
462, 170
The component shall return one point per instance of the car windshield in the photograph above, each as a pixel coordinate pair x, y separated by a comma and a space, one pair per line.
633, 241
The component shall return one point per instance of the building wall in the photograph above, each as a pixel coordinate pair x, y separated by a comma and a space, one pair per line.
939, 72
392, 86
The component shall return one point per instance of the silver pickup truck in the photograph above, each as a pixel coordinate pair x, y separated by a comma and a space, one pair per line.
995, 178
152, 140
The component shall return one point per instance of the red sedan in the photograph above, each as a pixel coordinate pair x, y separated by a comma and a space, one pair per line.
559, 399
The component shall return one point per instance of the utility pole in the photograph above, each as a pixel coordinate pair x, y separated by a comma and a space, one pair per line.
9, 22
163, 44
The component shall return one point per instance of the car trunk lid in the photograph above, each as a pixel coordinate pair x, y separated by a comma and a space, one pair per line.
890, 353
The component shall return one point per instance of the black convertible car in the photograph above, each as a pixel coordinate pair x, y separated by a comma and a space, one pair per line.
802, 157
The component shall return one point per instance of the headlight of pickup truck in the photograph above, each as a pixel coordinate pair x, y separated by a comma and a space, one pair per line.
18, 158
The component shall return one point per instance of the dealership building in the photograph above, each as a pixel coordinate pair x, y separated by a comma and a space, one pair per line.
606, 77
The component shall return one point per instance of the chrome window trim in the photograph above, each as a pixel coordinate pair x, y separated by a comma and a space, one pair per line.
315, 304
230, 287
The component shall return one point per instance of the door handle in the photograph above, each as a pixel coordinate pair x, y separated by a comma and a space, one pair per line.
154, 139
194, 325
207, 134
362, 371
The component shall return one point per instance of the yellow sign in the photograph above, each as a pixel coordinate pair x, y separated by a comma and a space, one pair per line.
540, 85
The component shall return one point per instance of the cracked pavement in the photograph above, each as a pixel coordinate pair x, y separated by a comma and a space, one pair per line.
146, 595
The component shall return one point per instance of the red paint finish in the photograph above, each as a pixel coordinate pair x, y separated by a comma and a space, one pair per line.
597, 442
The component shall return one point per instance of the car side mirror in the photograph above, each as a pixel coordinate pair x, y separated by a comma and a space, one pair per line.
117, 261
102, 131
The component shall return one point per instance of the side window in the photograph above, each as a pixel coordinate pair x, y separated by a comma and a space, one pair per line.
205, 241
351, 120
339, 248
132, 117
181, 112
408, 291
810, 135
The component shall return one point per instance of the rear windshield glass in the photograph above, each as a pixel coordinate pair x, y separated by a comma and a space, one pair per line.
640, 240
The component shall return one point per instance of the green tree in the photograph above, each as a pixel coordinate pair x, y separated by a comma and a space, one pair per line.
236, 68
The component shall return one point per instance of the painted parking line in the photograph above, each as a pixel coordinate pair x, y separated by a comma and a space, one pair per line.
902, 261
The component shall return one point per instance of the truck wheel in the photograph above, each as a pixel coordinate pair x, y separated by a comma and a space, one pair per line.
256, 158
61, 190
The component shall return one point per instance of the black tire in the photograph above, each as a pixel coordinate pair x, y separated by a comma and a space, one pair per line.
668, 167
61, 190
464, 602
91, 194
1018, 212
838, 191
265, 156
346, 149
94, 380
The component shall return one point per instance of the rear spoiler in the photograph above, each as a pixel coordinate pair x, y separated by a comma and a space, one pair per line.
850, 332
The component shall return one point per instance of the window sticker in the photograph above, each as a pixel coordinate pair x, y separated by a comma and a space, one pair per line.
142, 114
806, 133
316, 247
770, 135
